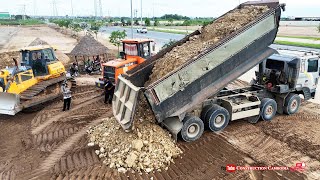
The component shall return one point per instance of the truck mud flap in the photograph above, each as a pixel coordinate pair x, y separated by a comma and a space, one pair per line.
124, 102
9, 103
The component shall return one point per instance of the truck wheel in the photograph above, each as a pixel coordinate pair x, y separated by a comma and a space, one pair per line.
217, 118
205, 111
192, 128
292, 104
268, 109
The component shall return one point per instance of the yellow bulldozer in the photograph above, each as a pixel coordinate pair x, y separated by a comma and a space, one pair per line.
36, 80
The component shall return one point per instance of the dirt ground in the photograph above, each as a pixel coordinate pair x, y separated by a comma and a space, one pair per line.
51, 144
298, 31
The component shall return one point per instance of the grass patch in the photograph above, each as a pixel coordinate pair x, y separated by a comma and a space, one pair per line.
21, 22
302, 37
317, 46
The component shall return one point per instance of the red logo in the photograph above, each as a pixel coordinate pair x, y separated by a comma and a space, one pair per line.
231, 168
299, 167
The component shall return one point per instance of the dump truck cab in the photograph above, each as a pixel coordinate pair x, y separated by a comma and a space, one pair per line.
43, 62
135, 51
291, 71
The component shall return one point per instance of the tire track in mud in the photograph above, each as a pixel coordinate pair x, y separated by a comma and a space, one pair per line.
268, 150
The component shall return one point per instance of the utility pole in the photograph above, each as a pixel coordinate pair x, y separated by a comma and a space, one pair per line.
95, 9
141, 12
34, 7
153, 10
131, 21
100, 9
24, 12
71, 8
54, 8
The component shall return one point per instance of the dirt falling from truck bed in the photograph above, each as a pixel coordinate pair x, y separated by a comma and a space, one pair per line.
149, 147
210, 34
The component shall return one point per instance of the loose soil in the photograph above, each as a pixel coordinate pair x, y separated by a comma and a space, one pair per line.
210, 34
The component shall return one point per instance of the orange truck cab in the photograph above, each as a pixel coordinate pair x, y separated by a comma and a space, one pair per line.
135, 51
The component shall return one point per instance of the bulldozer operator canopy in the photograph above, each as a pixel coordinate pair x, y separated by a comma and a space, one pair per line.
136, 41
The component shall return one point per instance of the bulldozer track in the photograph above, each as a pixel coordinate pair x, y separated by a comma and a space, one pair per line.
38, 88
46, 123
60, 151
266, 149
307, 142
7, 175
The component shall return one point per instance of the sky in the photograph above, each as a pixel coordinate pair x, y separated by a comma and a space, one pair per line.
192, 8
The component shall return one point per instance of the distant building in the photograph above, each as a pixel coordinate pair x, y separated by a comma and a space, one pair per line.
5, 15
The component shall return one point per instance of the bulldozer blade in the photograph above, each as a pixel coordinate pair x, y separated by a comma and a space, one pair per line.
9, 103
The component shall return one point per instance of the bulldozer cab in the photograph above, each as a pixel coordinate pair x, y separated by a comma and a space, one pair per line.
134, 52
38, 58
137, 48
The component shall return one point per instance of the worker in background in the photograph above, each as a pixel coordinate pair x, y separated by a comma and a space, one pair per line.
66, 96
108, 90
74, 70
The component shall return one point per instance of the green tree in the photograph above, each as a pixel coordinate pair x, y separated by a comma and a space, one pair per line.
156, 22
186, 23
168, 44
170, 21
76, 27
116, 37
319, 28
122, 21
136, 22
129, 23
147, 22
95, 27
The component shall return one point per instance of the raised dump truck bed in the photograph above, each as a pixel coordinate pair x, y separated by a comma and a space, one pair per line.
202, 76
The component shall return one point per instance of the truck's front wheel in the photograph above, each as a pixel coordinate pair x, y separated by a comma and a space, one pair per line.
292, 104
268, 109
192, 128
217, 118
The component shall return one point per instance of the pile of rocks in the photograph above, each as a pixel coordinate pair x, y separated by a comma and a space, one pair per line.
147, 148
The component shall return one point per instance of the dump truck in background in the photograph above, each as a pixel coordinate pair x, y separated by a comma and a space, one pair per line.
194, 97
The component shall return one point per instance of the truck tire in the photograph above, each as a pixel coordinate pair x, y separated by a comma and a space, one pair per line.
205, 111
292, 104
192, 128
217, 118
268, 109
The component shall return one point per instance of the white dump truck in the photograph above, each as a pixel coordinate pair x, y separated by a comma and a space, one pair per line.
193, 97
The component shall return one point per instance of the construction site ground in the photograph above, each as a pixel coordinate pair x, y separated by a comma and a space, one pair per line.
52, 144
